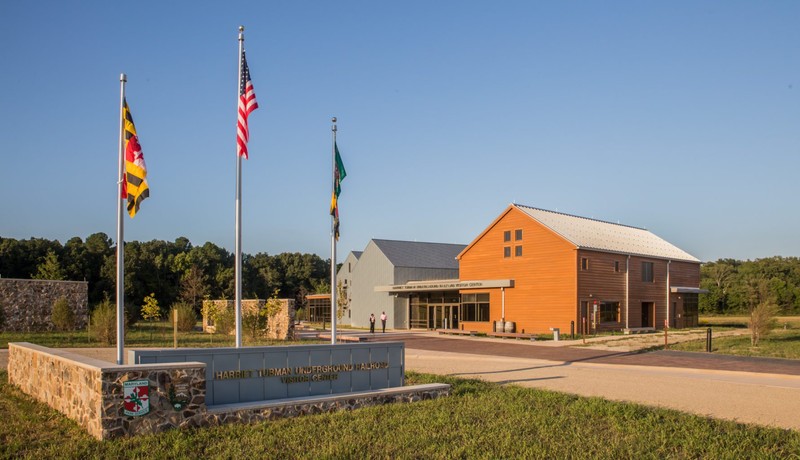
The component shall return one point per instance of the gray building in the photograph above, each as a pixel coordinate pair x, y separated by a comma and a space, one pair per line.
390, 262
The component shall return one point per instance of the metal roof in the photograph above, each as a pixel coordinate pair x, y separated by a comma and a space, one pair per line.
589, 233
420, 255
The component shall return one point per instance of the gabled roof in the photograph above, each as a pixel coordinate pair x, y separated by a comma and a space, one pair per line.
414, 254
599, 235
357, 254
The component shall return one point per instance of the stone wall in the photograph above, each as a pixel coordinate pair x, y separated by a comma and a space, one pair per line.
279, 326
28, 304
91, 392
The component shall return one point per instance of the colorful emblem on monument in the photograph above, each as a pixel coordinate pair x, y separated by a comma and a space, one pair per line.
136, 394
179, 393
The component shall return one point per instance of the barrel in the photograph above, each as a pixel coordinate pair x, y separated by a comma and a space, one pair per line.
510, 326
498, 326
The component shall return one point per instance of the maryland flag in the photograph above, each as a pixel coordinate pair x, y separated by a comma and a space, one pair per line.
338, 175
135, 187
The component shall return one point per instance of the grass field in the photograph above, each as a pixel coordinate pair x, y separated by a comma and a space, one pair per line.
156, 334
480, 420
783, 342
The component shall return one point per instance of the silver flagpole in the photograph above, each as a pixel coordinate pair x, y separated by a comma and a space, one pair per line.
238, 269
333, 240
120, 222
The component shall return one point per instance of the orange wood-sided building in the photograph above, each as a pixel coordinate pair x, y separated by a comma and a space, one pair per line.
570, 271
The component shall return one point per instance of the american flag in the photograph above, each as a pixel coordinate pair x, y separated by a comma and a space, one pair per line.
247, 103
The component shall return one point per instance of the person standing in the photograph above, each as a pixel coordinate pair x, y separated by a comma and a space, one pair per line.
383, 321
372, 323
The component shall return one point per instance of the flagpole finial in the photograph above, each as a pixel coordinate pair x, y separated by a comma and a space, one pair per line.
241, 28
333, 128
123, 77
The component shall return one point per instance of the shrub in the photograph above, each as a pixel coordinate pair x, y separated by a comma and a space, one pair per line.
104, 322
63, 317
762, 321
225, 321
186, 316
2, 317
254, 322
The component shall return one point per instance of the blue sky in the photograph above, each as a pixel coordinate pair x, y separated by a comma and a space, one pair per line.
680, 117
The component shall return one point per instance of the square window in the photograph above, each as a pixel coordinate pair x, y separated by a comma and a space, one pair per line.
507, 235
517, 251
518, 235
507, 252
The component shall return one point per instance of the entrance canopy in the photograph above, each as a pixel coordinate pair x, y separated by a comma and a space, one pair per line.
687, 290
440, 285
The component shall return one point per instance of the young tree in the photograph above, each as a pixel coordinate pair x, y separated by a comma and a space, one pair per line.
193, 286
49, 268
150, 308
763, 309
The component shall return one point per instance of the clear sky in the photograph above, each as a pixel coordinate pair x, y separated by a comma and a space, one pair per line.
682, 117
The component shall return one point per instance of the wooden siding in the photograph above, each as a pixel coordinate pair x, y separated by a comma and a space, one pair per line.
550, 285
545, 285
600, 282
681, 274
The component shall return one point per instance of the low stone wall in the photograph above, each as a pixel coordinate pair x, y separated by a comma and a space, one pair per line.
93, 393
28, 304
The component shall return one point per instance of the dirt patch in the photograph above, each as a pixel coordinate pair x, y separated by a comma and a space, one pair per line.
639, 342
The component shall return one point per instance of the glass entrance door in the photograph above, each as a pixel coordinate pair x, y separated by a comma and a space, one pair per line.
443, 316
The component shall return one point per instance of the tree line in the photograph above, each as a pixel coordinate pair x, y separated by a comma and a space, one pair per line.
171, 271
736, 286
179, 271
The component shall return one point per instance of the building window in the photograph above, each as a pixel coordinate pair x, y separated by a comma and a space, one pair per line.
507, 252
616, 266
507, 235
609, 312
475, 307
517, 251
584, 263
647, 272
518, 235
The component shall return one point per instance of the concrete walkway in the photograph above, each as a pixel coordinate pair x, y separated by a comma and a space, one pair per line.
747, 397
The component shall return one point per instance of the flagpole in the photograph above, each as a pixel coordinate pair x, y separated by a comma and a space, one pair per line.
238, 269
120, 223
333, 240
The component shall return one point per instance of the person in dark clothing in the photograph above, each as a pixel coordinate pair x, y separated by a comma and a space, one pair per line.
383, 321
371, 323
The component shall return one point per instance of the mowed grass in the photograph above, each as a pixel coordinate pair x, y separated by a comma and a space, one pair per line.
480, 420
782, 342
155, 334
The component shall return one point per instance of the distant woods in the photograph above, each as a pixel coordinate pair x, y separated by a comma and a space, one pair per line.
738, 287
171, 271
178, 271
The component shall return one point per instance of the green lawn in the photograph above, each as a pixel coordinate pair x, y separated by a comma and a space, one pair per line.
156, 334
480, 420
781, 343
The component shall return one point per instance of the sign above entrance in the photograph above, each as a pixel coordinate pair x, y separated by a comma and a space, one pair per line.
441, 285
